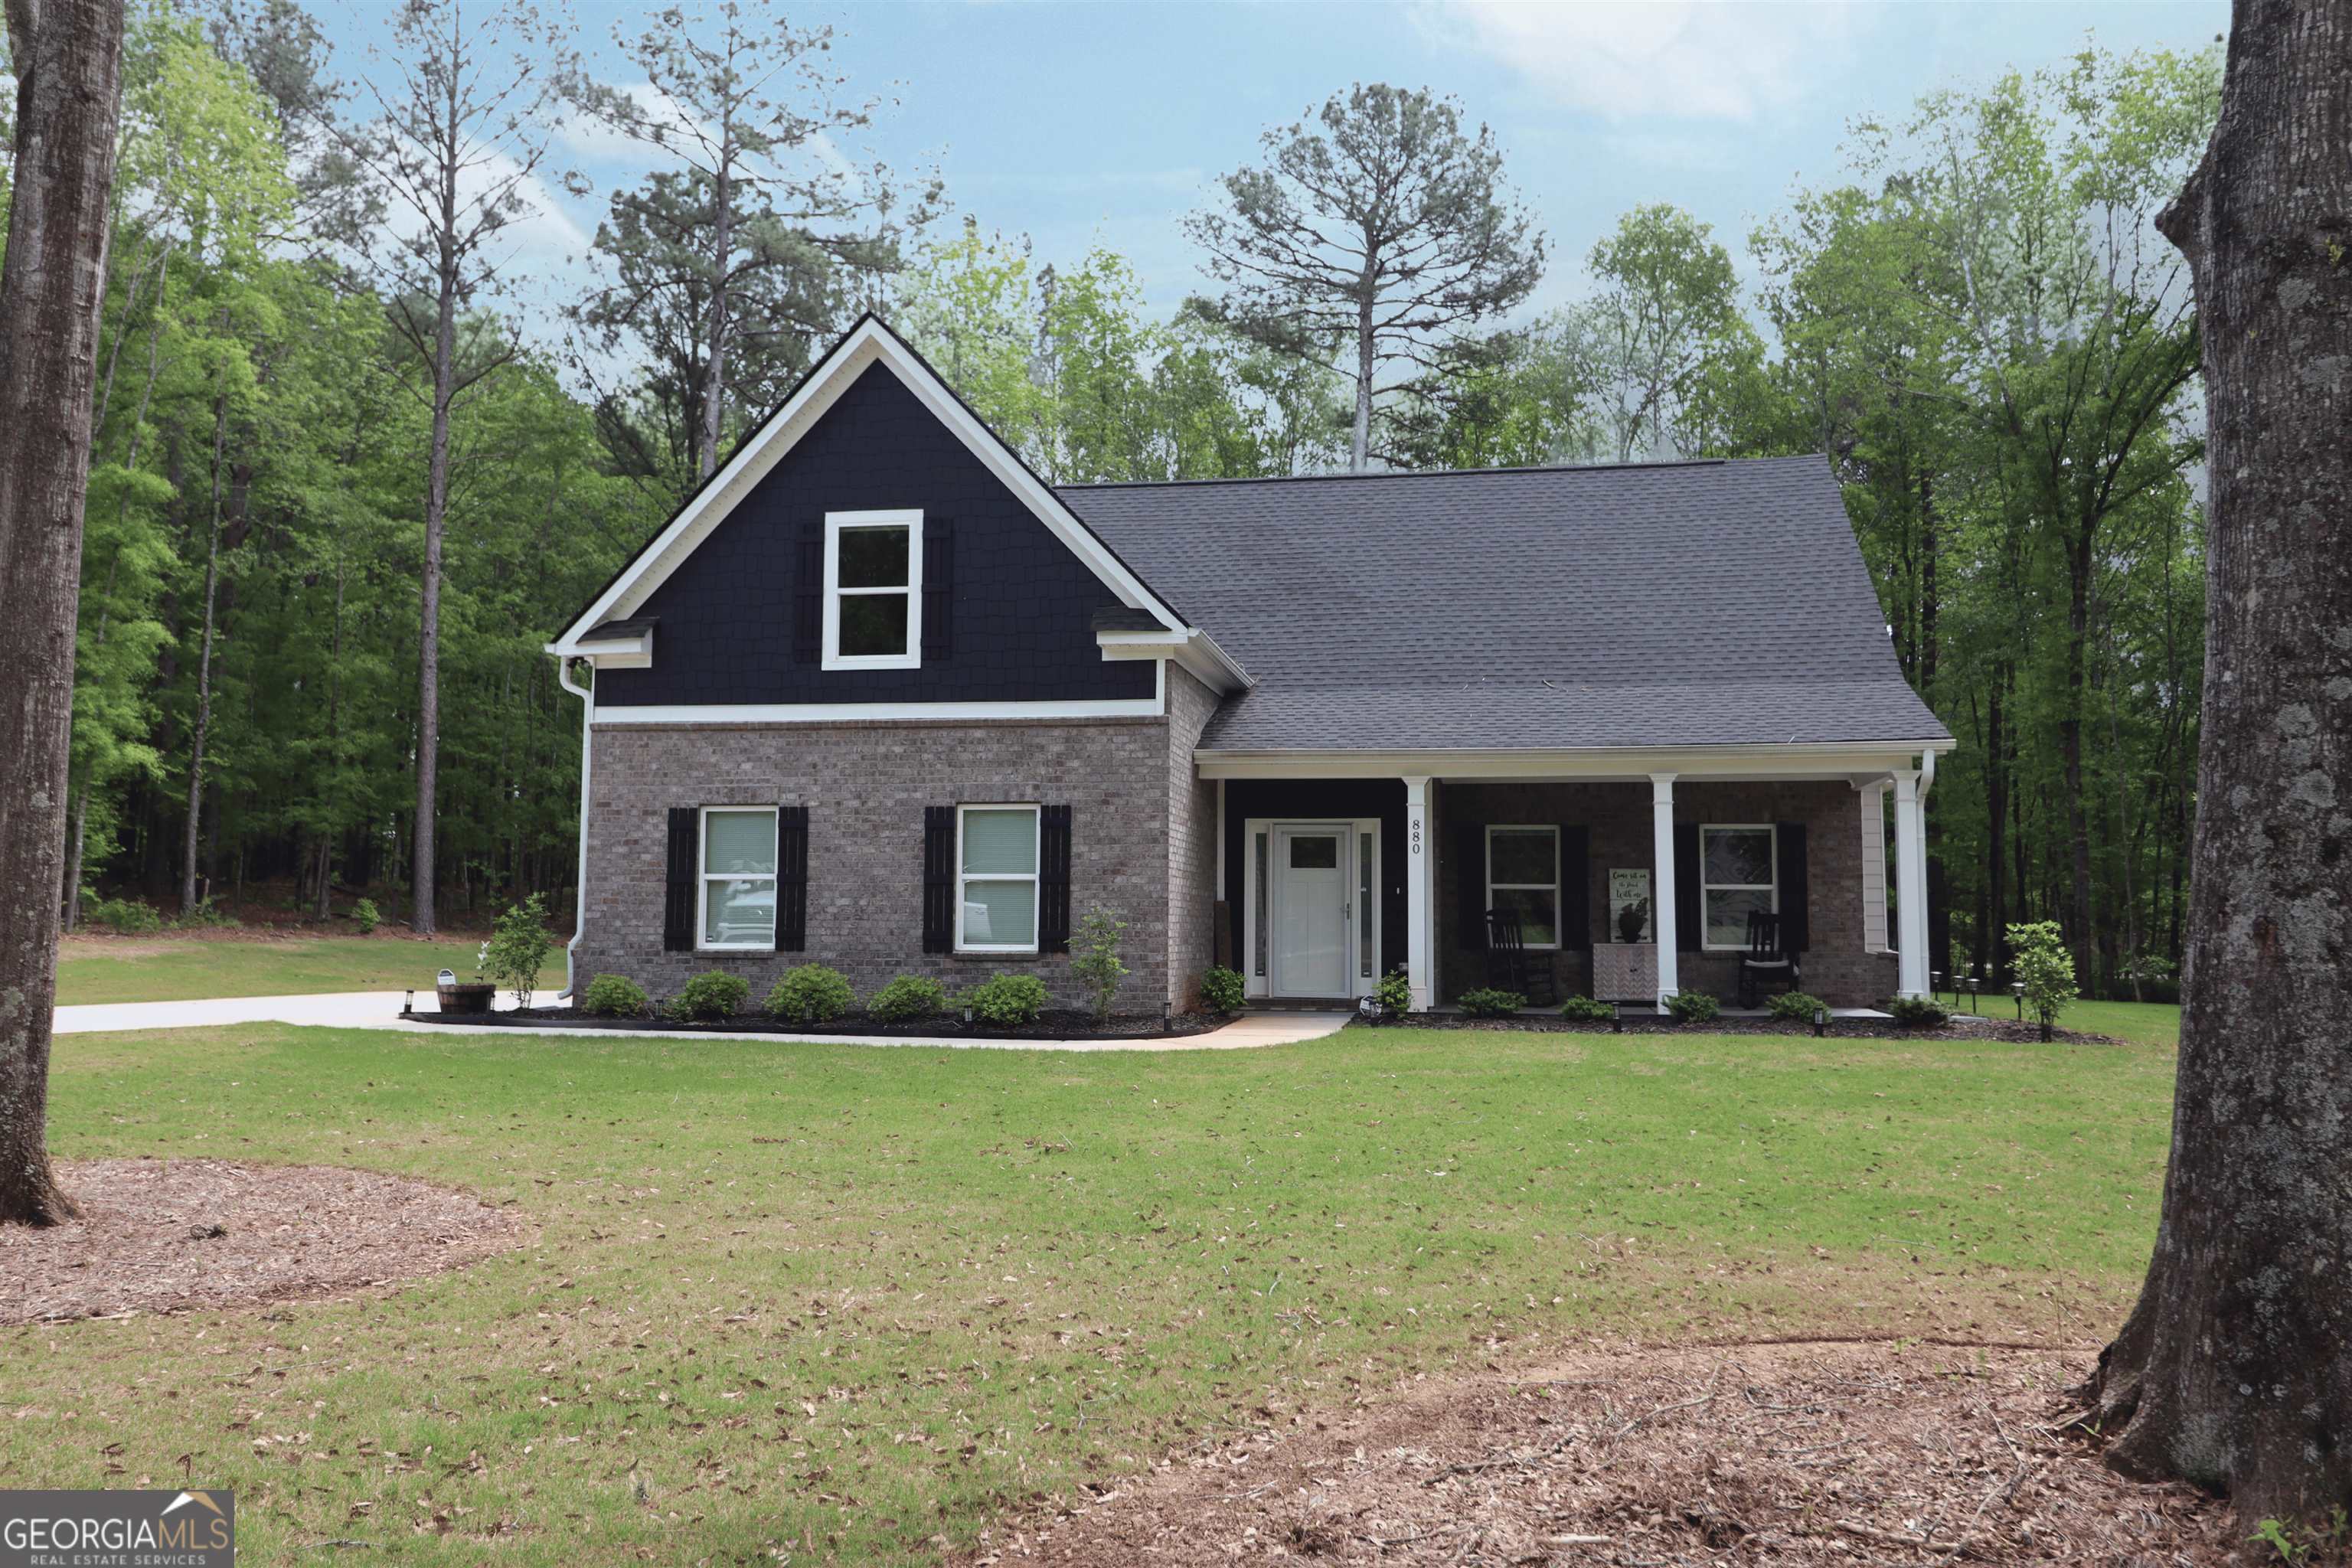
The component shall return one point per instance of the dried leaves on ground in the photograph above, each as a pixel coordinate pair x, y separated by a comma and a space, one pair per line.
1917, 1455
160, 1235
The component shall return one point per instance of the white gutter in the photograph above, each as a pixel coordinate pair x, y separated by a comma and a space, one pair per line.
587, 695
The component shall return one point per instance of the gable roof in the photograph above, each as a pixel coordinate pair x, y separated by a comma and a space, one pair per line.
1700, 604
867, 343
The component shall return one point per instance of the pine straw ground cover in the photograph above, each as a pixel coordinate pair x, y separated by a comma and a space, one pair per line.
784, 1302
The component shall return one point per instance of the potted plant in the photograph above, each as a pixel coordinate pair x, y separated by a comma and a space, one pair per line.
467, 996
1630, 918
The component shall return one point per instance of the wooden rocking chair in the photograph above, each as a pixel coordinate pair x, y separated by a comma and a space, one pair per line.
1510, 967
1766, 962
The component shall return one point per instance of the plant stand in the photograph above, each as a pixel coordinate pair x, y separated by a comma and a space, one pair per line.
469, 997
1625, 971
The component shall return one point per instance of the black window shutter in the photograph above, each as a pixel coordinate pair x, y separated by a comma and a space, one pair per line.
1689, 927
677, 900
791, 879
938, 878
1054, 878
1470, 885
808, 592
938, 588
1575, 886
1796, 889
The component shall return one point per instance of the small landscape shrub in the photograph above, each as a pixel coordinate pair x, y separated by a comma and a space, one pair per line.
615, 996
1585, 1010
1794, 1006
1394, 993
1919, 1013
1221, 990
811, 994
365, 915
1098, 961
2046, 969
518, 946
1693, 1007
125, 916
1486, 1001
908, 998
1007, 1001
711, 994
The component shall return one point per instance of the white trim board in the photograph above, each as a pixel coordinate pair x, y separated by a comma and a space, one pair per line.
859, 712
867, 343
1628, 766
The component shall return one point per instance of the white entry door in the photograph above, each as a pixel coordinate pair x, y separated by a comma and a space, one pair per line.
1313, 908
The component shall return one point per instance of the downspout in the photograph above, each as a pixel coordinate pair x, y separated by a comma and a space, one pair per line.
587, 695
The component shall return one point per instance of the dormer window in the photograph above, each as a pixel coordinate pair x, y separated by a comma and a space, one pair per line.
872, 587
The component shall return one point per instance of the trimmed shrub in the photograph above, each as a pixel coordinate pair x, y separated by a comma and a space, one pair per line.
1221, 990
1919, 1013
125, 916
1098, 962
365, 915
711, 994
1393, 991
1486, 1001
2045, 967
1007, 1001
812, 994
1794, 1006
615, 996
1693, 1007
1585, 1010
518, 946
908, 998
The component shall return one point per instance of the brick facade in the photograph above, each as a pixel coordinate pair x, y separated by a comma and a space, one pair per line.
865, 785
1192, 845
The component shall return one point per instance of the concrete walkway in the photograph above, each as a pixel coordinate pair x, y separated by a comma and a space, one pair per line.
381, 1010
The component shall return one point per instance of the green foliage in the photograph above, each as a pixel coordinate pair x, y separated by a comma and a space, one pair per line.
207, 915
1487, 1002
908, 998
711, 996
1394, 993
1223, 989
615, 996
1096, 959
1918, 1012
2044, 968
1794, 1006
811, 994
1585, 1010
365, 915
1007, 1001
518, 947
1693, 1007
125, 916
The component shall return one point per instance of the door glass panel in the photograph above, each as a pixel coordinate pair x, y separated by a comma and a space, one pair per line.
1265, 907
1367, 912
1318, 853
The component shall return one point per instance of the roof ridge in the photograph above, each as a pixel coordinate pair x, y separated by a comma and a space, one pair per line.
1436, 473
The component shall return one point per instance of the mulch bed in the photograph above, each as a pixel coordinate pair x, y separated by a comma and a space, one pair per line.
1813, 1453
1052, 1025
1839, 1029
161, 1236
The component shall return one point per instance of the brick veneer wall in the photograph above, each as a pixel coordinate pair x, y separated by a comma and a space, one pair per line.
865, 785
1838, 968
1192, 845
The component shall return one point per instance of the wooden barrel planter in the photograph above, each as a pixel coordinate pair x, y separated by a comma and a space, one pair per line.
468, 997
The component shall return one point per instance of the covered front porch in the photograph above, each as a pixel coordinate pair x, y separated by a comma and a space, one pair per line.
1627, 875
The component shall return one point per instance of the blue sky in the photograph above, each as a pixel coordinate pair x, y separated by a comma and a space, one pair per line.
1079, 123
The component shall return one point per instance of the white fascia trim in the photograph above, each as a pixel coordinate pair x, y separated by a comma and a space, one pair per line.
1189, 647
1840, 759
612, 653
851, 712
868, 343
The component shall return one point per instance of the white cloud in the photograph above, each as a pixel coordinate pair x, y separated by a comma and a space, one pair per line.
1711, 59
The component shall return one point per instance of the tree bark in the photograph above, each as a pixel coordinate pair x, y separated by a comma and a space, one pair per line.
436, 511
188, 899
68, 56
2235, 1369
1359, 439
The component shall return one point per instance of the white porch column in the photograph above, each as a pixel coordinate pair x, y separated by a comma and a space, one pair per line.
1420, 896
1910, 885
1662, 895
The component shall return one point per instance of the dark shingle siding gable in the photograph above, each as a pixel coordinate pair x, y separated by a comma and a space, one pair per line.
1698, 604
1023, 605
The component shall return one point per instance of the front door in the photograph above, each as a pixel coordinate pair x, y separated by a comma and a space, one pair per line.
1313, 913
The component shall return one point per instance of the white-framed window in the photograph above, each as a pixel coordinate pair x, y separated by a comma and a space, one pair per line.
737, 906
1523, 879
1738, 873
873, 590
996, 878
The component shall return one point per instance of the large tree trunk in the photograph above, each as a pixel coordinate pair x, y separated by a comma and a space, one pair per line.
68, 56
714, 397
2080, 937
2235, 1369
436, 511
188, 897
1359, 439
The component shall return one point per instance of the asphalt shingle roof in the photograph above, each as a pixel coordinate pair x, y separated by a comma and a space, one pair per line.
1655, 605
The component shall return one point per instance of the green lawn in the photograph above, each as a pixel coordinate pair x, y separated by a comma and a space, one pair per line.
173, 967
851, 1302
